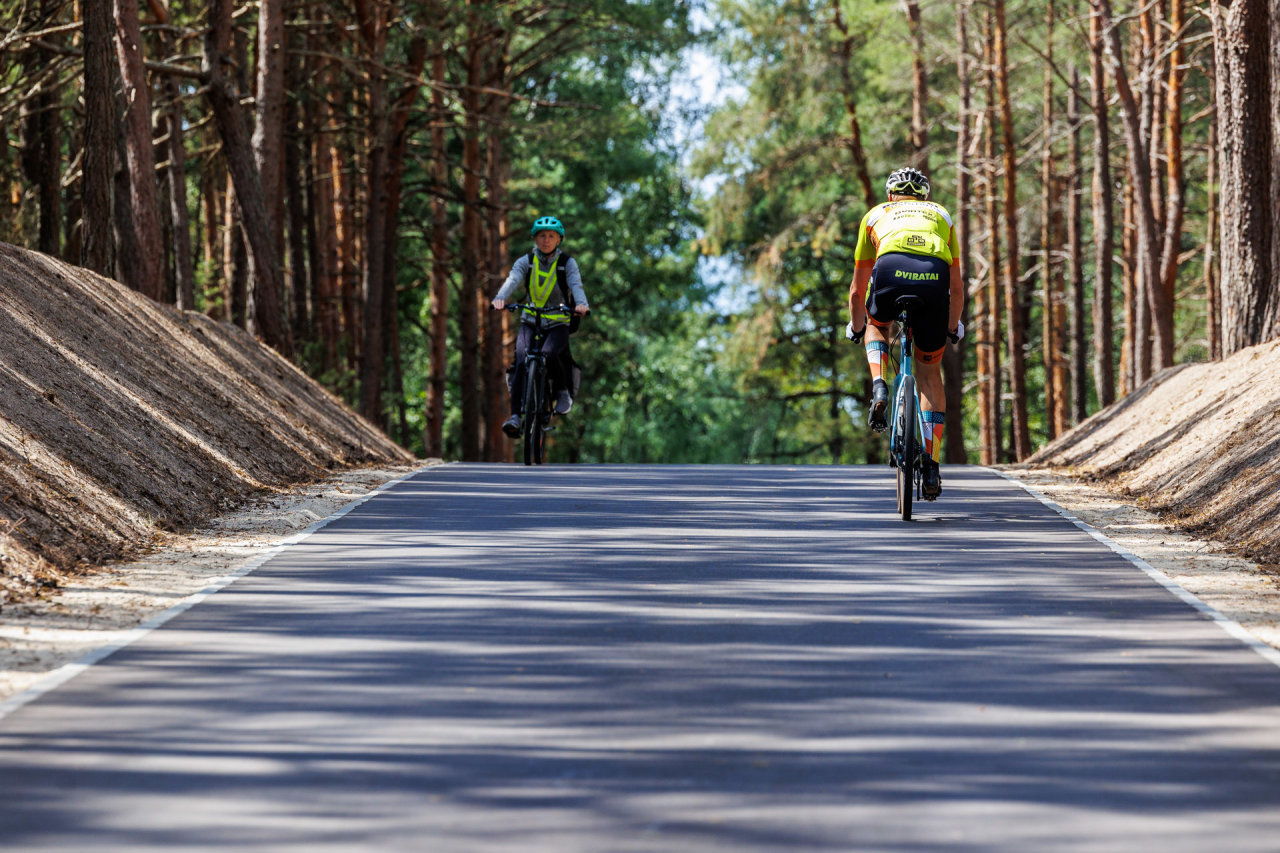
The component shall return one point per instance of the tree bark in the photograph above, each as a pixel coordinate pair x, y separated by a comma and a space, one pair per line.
301, 238
856, 151
1174, 183
1212, 295
1147, 252
1016, 331
472, 263
327, 298
953, 359
433, 440
144, 206
1103, 214
373, 367
497, 349
40, 135
99, 140
1242, 57
397, 148
176, 183
1075, 255
268, 130
1048, 202
990, 375
1271, 320
258, 230
919, 89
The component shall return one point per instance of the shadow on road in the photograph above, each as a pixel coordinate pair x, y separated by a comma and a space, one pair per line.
651, 658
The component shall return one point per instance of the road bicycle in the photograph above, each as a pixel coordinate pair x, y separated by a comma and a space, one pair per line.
906, 438
538, 406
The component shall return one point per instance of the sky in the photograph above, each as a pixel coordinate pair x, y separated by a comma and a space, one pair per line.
701, 85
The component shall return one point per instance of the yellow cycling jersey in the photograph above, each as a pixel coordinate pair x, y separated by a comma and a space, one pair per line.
913, 226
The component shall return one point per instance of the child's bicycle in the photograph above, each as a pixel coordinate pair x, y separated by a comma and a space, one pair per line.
538, 405
906, 444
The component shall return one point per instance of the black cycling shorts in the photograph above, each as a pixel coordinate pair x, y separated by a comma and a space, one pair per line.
900, 274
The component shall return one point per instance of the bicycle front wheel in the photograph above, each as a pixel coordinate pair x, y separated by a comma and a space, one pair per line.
532, 426
906, 426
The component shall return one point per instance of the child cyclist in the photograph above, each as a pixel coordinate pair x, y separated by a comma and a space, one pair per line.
549, 278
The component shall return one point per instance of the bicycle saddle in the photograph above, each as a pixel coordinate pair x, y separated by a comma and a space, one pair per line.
909, 304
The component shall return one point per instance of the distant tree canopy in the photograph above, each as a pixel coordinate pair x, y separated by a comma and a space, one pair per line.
351, 183
1112, 168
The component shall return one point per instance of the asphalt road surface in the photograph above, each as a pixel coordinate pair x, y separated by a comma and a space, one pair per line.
657, 658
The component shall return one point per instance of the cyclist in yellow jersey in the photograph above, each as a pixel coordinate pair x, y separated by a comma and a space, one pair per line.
907, 246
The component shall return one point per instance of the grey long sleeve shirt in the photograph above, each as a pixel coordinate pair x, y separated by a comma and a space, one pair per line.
520, 273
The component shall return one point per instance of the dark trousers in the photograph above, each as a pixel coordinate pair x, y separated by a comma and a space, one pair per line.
555, 342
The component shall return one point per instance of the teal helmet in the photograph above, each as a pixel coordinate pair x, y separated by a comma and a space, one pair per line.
547, 223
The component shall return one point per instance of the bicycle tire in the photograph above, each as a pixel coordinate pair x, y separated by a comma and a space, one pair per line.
907, 462
539, 431
532, 425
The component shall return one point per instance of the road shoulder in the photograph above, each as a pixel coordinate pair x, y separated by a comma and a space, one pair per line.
1235, 587
101, 608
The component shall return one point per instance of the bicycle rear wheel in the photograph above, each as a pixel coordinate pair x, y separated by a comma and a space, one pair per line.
906, 426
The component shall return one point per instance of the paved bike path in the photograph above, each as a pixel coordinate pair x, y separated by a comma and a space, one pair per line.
666, 658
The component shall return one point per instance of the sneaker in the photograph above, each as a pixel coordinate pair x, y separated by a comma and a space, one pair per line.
511, 426
563, 403
878, 418
931, 485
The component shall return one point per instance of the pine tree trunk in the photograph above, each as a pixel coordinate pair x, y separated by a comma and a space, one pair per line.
347, 241
374, 364
176, 153
849, 91
300, 242
1146, 249
235, 261
1048, 203
990, 378
472, 263
953, 359
1271, 320
268, 130
433, 440
97, 245
919, 90
1103, 215
1212, 295
397, 149
498, 448
1242, 57
1021, 437
327, 300
1075, 255
1174, 192
268, 313
147, 267
40, 135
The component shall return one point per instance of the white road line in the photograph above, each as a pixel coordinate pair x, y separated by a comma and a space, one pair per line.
68, 671
1232, 627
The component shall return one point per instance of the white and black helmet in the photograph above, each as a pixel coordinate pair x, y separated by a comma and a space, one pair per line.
908, 181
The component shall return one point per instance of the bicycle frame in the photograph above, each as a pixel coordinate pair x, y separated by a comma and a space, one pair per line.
536, 410
906, 422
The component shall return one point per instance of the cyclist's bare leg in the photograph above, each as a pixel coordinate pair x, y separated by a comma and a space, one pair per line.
932, 400
877, 346
929, 380
875, 355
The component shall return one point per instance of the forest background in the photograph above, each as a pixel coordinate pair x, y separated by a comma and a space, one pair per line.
351, 182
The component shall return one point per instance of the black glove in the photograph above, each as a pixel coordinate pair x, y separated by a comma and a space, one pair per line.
856, 337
